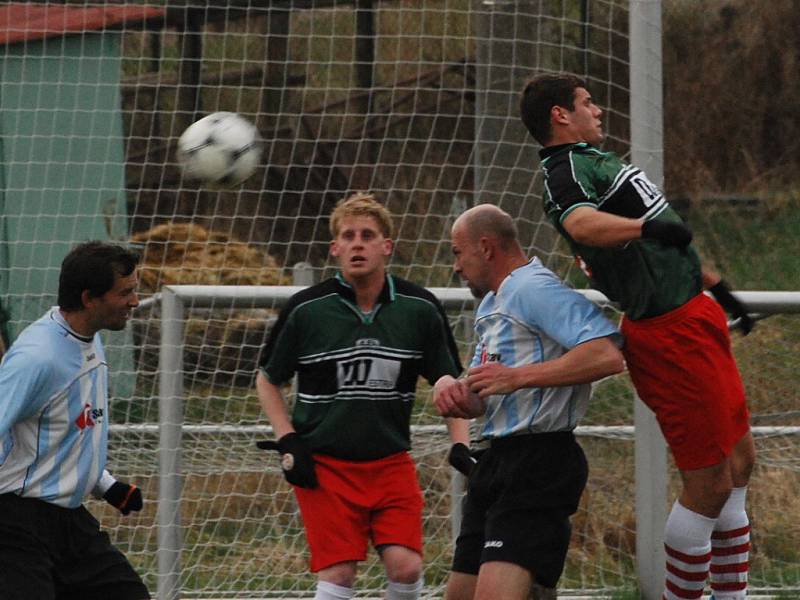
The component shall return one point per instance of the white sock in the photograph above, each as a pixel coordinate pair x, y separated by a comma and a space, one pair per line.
730, 549
687, 541
403, 591
331, 591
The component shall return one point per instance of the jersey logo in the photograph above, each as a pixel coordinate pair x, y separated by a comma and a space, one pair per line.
89, 417
487, 357
372, 373
647, 190
368, 342
493, 544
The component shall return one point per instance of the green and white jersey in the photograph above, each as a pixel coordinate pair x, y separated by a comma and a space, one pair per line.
645, 277
357, 372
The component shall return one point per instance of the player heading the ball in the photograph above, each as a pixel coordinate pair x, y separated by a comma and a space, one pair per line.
638, 251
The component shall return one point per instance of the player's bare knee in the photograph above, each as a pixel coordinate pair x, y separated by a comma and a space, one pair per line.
341, 574
403, 568
718, 497
404, 573
743, 460
705, 491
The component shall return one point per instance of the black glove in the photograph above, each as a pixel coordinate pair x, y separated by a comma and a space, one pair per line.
722, 293
296, 460
124, 496
668, 233
461, 459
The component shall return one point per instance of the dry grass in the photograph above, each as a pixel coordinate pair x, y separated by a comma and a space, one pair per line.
185, 253
732, 121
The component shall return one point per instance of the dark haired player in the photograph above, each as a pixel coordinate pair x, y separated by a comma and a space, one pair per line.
54, 438
637, 251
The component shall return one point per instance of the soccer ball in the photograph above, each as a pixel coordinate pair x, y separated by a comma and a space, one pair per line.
222, 149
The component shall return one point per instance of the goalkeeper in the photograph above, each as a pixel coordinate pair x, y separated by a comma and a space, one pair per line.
358, 342
54, 437
540, 344
637, 251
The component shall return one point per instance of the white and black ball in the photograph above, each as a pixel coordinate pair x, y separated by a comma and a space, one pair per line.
222, 149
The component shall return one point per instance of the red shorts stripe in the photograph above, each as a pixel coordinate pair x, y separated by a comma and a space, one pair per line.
683, 368
357, 503
691, 559
725, 535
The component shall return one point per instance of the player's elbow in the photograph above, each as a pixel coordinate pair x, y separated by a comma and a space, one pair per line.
583, 234
611, 360
583, 227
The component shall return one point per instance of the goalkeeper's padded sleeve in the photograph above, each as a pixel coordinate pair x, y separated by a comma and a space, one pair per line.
124, 496
722, 294
668, 233
296, 460
461, 459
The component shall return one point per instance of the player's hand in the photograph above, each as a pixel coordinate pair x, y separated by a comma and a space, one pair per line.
452, 398
722, 294
461, 459
491, 378
125, 497
668, 233
296, 460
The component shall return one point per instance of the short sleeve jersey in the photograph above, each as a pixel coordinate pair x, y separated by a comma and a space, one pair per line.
645, 277
53, 413
357, 372
534, 318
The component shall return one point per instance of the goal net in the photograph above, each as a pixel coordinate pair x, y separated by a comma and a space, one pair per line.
414, 100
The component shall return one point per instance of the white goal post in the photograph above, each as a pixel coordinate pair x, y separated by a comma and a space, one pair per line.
174, 301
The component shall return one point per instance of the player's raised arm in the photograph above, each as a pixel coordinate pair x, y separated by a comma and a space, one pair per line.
589, 226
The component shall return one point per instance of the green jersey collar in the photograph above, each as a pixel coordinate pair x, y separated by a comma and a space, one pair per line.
345, 289
549, 151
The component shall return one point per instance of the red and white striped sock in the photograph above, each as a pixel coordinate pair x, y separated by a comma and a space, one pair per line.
730, 549
687, 541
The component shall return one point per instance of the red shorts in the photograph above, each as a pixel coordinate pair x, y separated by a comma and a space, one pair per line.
683, 368
358, 502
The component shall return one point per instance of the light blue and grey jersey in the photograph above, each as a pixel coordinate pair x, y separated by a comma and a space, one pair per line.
54, 414
534, 317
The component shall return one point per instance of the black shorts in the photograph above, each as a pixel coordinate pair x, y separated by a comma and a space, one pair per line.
48, 552
519, 499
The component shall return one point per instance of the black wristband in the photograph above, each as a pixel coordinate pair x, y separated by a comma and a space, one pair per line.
669, 233
124, 496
